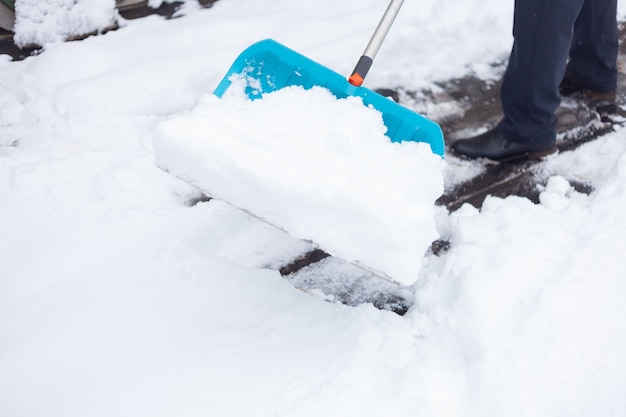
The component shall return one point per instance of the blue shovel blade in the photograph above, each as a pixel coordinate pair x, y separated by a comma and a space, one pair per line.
275, 66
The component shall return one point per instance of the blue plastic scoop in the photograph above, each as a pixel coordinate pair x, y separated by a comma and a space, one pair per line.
269, 66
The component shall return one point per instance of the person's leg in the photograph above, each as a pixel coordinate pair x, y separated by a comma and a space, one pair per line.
542, 31
593, 55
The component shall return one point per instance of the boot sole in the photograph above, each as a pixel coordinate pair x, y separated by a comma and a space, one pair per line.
529, 155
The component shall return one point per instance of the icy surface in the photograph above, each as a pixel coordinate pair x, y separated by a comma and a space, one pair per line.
318, 167
119, 299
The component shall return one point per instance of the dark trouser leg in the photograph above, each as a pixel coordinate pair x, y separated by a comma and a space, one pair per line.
542, 32
593, 56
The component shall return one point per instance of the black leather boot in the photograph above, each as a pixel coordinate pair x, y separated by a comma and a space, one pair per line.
569, 87
493, 145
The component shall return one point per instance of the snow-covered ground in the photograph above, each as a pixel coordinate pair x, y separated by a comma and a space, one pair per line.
119, 298
41, 22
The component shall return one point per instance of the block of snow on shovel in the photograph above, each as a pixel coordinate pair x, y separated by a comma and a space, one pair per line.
327, 161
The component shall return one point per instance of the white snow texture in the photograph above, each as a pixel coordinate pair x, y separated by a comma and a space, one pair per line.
118, 298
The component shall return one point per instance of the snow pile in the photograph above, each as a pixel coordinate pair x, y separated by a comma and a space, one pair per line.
533, 295
317, 166
39, 22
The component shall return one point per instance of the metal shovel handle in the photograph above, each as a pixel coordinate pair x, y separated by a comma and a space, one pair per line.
366, 60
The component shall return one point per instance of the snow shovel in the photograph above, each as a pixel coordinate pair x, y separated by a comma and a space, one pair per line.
269, 66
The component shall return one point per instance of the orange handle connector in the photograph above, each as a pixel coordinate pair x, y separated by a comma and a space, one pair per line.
356, 79
360, 71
